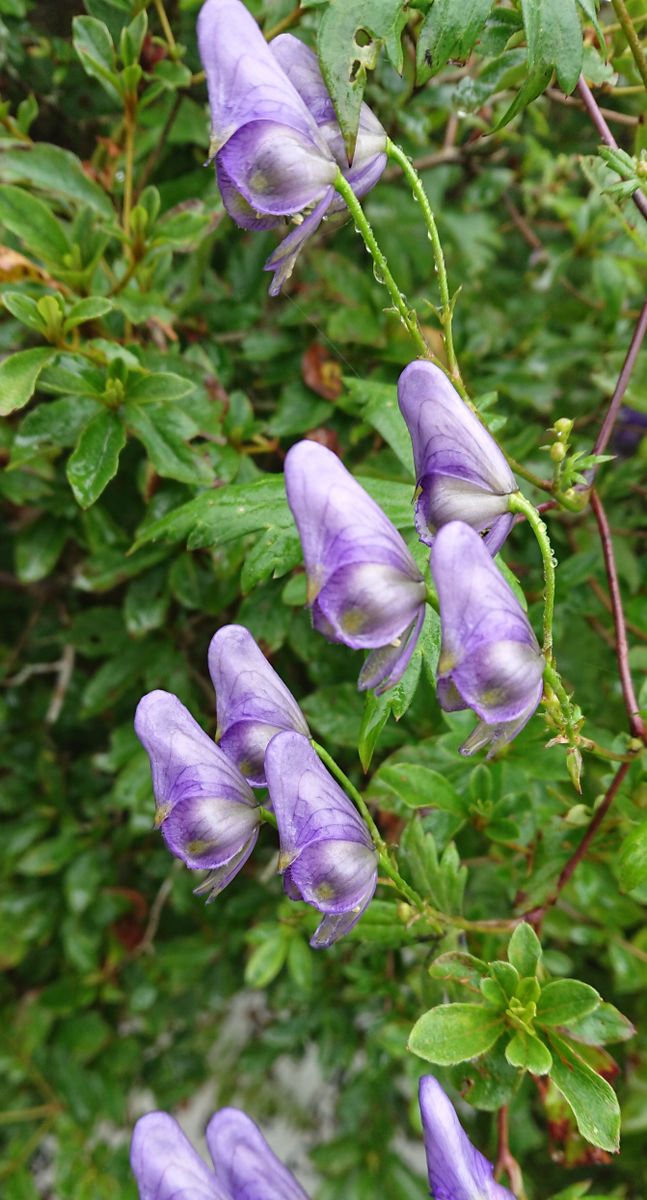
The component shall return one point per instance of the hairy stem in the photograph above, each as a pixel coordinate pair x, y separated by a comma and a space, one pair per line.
413, 179
633, 40
519, 504
382, 272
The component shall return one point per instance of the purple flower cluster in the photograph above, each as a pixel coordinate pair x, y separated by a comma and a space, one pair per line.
167, 1167
208, 814
275, 138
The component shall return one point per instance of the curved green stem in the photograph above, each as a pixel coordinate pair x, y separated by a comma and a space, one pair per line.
266, 815
518, 504
382, 272
413, 179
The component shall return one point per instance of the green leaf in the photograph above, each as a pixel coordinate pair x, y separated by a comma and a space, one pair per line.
603, 1026
564, 1000
441, 879
461, 969
592, 1099
96, 457
225, 514
589, 7
554, 37
524, 950
164, 432
351, 35
94, 46
381, 410
266, 960
162, 388
449, 30
452, 1033
630, 866
526, 1051
29, 219
38, 548
86, 310
25, 310
55, 171
274, 554
376, 715
420, 787
55, 424
19, 376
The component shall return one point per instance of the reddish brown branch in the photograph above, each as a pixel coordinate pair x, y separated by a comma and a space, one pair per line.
636, 723
505, 1159
623, 382
590, 103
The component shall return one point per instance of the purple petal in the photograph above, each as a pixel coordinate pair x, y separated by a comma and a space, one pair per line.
335, 925
236, 205
244, 80
165, 1164
277, 169
282, 260
490, 659
386, 666
252, 702
460, 471
457, 1170
217, 880
207, 811
244, 1163
365, 583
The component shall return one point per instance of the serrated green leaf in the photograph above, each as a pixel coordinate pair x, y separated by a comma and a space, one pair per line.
524, 950
452, 1033
222, 515
163, 431
19, 376
96, 457
564, 1000
449, 30
29, 219
592, 1099
554, 38
380, 401
351, 35
274, 554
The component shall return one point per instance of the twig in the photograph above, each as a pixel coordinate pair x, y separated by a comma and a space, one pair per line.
535, 915
606, 603
591, 105
159, 146
65, 669
166, 27
610, 113
286, 23
602, 440
164, 891
505, 1160
636, 723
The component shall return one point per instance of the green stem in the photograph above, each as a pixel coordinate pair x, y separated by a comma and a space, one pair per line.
626, 23
519, 504
407, 315
599, 751
166, 27
413, 179
129, 155
266, 815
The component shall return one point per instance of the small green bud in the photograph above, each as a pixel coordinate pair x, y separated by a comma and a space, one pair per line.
563, 428
558, 452
574, 767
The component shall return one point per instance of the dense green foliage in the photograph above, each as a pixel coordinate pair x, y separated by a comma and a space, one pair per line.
151, 389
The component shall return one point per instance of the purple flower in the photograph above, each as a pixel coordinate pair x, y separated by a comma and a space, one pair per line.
327, 857
461, 474
167, 1167
207, 811
252, 702
457, 1170
275, 138
364, 588
490, 660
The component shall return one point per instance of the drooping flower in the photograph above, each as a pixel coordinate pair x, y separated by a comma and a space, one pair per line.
457, 1170
167, 1167
327, 857
276, 141
252, 702
489, 660
461, 474
364, 587
207, 812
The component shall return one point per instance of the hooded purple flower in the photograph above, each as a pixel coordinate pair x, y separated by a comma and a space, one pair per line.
275, 136
457, 1170
364, 588
167, 1167
207, 811
490, 660
252, 701
327, 857
461, 474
